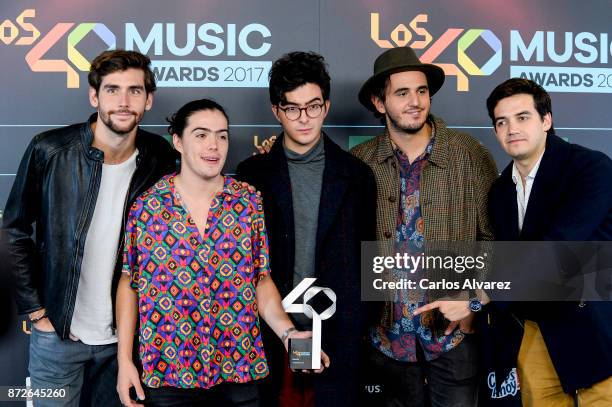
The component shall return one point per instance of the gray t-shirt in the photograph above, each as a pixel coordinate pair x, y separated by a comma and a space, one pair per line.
306, 175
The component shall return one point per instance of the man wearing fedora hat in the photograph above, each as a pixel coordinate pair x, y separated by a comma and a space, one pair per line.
432, 185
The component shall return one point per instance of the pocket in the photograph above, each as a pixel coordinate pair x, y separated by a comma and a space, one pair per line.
465, 358
44, 342
242, 393
41, 332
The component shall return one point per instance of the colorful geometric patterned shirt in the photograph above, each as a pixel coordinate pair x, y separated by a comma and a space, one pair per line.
400, 342
199, 323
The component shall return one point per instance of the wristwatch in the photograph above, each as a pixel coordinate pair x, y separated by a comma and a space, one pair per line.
474, 304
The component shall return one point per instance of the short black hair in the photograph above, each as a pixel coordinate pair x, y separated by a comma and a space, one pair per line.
517, 86
296, 69
120, 60
178, 120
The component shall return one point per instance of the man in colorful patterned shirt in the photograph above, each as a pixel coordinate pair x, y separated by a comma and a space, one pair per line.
432, 185
196, 268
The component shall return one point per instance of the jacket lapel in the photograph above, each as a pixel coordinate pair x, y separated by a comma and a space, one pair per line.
544, 191
507, 213
333, 189
280, 187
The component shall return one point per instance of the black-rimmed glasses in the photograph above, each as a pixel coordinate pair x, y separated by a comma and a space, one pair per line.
294, 113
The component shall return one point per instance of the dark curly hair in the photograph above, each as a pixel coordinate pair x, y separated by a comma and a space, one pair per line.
295, 69
178, 120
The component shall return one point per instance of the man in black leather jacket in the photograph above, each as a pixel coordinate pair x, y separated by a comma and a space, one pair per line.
76, 184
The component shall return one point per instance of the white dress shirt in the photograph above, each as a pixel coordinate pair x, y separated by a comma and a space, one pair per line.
522, 194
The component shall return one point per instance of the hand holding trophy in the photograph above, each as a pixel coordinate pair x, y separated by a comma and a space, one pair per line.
305, 352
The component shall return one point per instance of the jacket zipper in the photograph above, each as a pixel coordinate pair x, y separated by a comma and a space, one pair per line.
84, 219
125, 205
124, 219
121, 244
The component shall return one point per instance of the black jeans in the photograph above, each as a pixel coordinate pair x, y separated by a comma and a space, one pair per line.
451, 380
225, 394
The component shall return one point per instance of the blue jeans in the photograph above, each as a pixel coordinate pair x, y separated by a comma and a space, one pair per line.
87, 372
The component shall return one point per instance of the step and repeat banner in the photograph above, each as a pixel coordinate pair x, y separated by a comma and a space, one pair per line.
224, 50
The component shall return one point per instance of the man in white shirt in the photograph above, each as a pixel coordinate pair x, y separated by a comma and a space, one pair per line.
551, 191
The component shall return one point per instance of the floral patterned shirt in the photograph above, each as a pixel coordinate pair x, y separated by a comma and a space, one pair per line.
199, 323
400, 342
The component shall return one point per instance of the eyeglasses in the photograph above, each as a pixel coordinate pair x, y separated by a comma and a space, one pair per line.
294, 113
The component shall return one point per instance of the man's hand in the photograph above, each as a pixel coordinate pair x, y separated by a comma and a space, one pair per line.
127, 378
457, 312
44, 324
305, 335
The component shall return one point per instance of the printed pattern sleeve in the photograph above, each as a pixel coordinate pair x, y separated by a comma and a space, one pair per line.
261, 253
131, 264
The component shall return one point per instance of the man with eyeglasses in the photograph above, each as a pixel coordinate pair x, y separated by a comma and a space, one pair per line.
319, 203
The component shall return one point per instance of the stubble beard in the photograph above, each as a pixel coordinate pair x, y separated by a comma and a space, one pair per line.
106, 119
412, 129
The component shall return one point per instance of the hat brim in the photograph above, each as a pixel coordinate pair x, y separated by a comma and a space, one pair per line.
435, 80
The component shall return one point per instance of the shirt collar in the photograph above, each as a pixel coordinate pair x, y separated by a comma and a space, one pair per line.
425, 155
386, 148
230, 186
516, 175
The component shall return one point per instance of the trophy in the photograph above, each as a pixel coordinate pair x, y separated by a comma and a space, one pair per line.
306, 353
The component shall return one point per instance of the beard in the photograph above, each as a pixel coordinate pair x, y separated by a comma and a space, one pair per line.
118, 129
394, 121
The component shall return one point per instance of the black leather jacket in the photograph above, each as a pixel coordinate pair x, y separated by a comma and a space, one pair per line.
56, 188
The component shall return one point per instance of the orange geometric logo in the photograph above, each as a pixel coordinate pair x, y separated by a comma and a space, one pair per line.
402, 36
76, 33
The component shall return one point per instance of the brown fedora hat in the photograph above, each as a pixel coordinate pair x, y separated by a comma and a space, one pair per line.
398, 60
